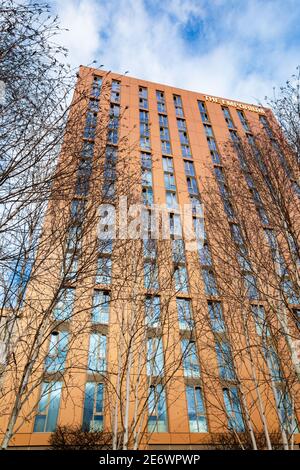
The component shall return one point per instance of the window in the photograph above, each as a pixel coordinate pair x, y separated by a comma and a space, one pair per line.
108, 190
181, 279
64, 306
58, 348
285, 410
96, 87
163, 120
192, 185
155, 357
209, 282
87, 149
289, 292
224, 357
112, 136
145, 143
236, 234
227, 117
263, 120
166, 147
196, 410
175, 225
93, 407
103, 275
234, 137
189, 168
157, 412
114, 110
100, 310
203, 112
151, 275
273, 363
243, 120
196, 205
115, 85
216, 317
161, 107
208, 130
178, 105
152, 311
250, 285
83, 175
150, 248
261, 325
105, 245
212, 144
215, 157
178, 251
147, 177
146, 160
144, 116
183, 137
97, 353
143, 93
233, 409
94, 105
169, 180
143, 103
70, 266
168, 164
191, 367
77, 210
115, 91
147, 196
171, 200
74, 238
184, 314
204, 254
47, 413
181, 124
186, 151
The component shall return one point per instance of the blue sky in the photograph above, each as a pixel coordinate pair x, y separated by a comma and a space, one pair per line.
238, 49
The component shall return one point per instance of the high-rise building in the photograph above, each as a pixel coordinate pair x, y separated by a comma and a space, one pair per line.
143, 340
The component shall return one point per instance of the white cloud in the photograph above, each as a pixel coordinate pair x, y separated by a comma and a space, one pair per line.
242, 54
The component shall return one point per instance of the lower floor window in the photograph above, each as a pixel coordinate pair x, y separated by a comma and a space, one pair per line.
196, 410
157, 419
93, 407
233, 409
46, 417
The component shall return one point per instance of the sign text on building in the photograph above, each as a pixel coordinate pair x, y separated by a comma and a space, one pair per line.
236, 104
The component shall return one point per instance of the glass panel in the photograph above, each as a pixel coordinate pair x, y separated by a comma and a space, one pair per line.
100, 310
53, 407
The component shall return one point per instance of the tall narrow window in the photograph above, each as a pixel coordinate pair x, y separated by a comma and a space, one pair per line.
103, 275
191, 367
210, 285
216, 317
97, 353
233, 409
151, 275
225, 361
93, 407
196, 410
152, 311
64, 306
100, 311
181, 278
184, 314
155, 357
47, 413
157, 410
228, 117
58, 348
